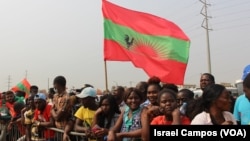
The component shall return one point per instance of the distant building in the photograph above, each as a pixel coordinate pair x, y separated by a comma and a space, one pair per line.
187, 86
239, 86
226, 84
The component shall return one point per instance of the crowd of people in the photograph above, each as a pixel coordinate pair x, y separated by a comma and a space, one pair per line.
122, 114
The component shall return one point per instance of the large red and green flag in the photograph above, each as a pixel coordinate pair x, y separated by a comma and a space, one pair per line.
24, 85
152, 43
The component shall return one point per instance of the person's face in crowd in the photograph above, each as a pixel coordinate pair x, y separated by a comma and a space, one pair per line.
204, 81
58, 88
224, 101
30, 102
168, 103
246, 91
51, 94
117, 93
181, 98
10, 97
105, 106
40, 104
87, 101
152, 94
18, 109
141, 88
3, 96
33, 91
133, 101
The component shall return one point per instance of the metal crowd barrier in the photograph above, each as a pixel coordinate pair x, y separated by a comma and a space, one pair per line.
4, 121
3, 131
75, 136
15, 135
12, 135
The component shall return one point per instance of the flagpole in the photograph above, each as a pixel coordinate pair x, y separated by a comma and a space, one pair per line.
106, 76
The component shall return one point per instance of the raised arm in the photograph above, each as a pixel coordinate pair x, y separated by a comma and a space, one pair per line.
97, 113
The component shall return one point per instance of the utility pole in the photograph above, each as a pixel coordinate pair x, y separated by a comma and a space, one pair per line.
48, 84
205, 26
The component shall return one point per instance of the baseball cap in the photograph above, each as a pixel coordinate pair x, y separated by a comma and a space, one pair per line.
88, 91
246, 71
40, 96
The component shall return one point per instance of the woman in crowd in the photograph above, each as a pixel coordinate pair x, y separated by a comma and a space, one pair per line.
153, 89
167, 113
169, 108
128, 126
152, 94
105, 117
213, 107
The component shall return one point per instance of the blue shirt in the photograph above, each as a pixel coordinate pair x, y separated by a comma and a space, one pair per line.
131, 124
242, 110
145, 103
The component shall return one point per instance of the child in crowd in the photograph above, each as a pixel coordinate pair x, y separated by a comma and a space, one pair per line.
27, 115
128, 126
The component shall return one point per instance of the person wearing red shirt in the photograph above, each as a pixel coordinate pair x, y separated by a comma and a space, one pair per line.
42, 118
171, 114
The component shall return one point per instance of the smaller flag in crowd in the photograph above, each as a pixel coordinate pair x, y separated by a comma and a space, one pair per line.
24, 85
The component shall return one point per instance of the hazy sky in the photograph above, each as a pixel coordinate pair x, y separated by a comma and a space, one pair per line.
49, 38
